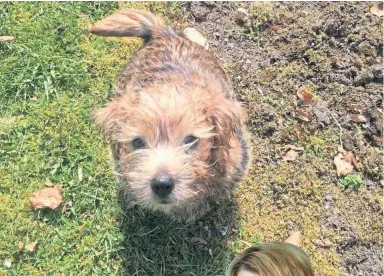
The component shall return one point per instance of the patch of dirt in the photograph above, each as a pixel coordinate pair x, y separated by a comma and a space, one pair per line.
335, 51
363, 259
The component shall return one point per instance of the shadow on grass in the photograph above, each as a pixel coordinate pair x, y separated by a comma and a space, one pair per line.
156, 245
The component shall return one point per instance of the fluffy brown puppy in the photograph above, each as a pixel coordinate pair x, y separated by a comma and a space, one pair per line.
176, 130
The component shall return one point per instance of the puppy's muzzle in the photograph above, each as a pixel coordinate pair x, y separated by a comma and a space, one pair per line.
162, 185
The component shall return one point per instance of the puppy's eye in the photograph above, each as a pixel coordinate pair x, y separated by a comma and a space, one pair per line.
189, 140
138, 143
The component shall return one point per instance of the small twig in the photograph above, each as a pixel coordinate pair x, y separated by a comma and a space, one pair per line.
246, 243
341, 129
354, 163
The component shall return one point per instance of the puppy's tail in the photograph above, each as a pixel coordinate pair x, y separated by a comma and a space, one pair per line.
131, 23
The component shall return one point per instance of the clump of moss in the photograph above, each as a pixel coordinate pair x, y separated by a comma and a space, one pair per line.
318, 146
267, 75
361, 211
275, 200
371, 159
268, 13
316, 56
169, 11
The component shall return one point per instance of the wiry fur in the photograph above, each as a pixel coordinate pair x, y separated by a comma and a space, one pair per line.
171, 89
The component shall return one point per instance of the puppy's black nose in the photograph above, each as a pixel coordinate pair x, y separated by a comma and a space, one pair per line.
162, 185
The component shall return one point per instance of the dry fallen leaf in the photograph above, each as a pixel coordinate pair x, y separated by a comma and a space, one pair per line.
241, 15
7, 38
291, 152
357, 118
303, 115
49, 198
195, 36
350, 158
377, 9
356, 107
342, 167
343, 161
31, 247
290, 155
305, 96
274, 28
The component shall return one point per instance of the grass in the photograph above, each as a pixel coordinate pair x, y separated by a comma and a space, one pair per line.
48, 93
52, 78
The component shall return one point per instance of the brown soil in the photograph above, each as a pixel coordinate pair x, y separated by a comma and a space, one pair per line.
334, 51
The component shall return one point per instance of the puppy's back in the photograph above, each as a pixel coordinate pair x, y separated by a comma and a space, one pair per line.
168, 55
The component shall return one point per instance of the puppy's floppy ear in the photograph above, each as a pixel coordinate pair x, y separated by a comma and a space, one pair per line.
226, 116
111, 118
106, 117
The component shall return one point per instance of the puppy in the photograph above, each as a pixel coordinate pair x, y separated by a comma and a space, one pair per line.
176, 131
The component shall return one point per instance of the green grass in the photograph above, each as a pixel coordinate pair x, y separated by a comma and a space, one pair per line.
51, 79
47, 96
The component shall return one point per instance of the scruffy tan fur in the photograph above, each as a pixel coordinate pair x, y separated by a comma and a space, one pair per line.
173, 88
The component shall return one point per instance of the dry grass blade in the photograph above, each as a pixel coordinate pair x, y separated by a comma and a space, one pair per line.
7, 38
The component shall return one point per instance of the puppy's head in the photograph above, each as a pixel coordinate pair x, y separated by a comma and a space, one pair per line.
168, 142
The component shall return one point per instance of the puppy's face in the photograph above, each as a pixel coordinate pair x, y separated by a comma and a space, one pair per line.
166, 141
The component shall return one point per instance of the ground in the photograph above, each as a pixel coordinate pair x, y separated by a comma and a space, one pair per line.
53, 76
